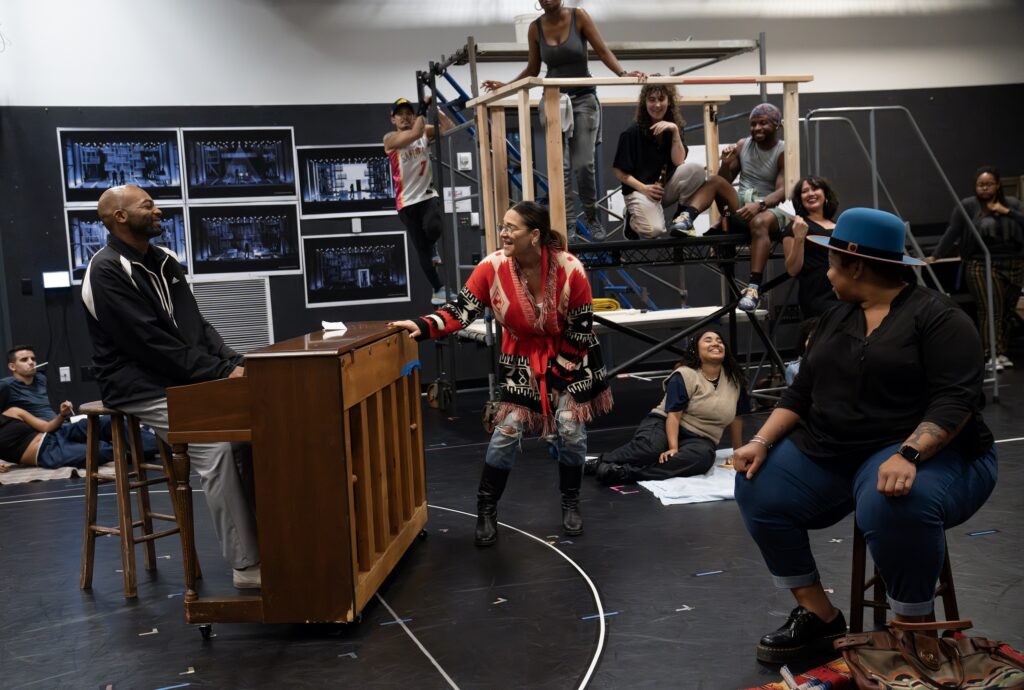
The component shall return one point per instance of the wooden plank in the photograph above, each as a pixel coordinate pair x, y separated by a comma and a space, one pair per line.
486, 184
366, 370
416, 430
360, 428
403, 414
553, 139
526, 144
529, 82
247, 609
499, 161
791, 130
613, 101
392, 456
378, 473
240, 435
209, 406
711, 149
353, 515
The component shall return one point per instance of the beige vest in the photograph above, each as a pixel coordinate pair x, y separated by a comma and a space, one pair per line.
710, 409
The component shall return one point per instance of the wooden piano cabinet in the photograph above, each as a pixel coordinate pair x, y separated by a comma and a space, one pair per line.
336, 432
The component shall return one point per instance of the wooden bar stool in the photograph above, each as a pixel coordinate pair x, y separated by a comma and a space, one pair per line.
129, 474
879, 604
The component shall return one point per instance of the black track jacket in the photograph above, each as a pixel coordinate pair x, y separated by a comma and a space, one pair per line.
146, 329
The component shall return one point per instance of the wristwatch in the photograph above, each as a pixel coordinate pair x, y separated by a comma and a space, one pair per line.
762, 205
910, 453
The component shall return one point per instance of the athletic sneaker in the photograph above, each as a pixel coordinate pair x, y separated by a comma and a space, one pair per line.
682, 226
999, 365
438, 298
435, 257
749, 299
596, 229
247, 578
1004, 361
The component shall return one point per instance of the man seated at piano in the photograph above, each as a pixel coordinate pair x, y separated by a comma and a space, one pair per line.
147, 335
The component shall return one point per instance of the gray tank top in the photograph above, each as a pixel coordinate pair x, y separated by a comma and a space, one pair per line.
568, 58
759, 168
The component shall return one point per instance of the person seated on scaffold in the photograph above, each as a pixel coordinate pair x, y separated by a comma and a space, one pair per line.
650, 162
553, 375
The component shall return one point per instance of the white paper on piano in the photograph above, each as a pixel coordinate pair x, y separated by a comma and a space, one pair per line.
333, 329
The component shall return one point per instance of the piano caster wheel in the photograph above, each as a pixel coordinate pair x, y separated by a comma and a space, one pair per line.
206, 630
439, 394
423, 535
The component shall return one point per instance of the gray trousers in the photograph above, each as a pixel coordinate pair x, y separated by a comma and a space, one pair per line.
648, 217
578, 156
640, 453
225, 473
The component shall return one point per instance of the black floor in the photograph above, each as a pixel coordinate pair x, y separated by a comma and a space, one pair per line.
522, 614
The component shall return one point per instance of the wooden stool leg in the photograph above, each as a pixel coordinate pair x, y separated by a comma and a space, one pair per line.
878, 613
165, 459
181, 466
124, 506
142, 491
92, 460
857, 582
947, 591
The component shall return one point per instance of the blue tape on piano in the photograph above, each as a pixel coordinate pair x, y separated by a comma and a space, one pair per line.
407, 369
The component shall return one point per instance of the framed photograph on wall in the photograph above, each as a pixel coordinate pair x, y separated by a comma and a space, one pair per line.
93, 160
87, 235
260, 239
344, 181
358, 268
227, 164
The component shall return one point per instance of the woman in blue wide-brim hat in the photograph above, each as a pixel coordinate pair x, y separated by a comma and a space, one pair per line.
883, 420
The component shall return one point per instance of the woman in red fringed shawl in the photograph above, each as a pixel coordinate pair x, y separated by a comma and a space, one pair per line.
553, 378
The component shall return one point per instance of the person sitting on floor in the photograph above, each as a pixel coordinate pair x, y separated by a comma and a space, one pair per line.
28, 440
650, 162
883, 420
26, 389
678, 438
815, 203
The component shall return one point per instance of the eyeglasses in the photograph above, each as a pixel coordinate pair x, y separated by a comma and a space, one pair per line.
507, 229
986, 185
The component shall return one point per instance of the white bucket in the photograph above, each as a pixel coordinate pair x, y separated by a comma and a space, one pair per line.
522, 24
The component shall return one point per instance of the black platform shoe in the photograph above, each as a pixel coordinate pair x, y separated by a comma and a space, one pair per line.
802, 636
492, 485
569, 479
590, 466
612, 473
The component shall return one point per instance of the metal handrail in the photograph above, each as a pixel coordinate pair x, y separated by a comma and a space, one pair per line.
871, 110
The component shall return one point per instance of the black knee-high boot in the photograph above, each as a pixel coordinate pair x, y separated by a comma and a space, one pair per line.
492, 485
569, 479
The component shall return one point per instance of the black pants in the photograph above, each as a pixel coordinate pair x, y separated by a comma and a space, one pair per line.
423, 223
695, 455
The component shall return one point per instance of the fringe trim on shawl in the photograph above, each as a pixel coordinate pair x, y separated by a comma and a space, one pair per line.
535, 422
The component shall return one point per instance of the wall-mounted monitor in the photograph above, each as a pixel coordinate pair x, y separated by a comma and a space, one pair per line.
87, 235
239, 164
259, 239
93, 160
344, 181
364, 268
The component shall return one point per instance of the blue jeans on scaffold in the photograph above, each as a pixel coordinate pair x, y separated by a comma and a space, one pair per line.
570, 439
793, 493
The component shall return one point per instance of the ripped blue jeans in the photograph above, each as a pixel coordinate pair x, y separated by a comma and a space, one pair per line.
570, 440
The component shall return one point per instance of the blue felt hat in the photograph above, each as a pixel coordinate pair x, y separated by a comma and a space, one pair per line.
869, 234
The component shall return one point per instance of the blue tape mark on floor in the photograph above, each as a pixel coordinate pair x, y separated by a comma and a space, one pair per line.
982, 533
709, 572
171, 687
403, 620
598, 615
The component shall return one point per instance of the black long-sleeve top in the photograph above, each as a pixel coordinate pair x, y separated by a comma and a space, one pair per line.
856, 394
1005, 240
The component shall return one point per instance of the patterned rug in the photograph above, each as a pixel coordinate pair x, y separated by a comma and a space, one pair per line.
835, 675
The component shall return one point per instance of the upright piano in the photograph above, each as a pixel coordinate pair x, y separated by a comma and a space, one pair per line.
336, 431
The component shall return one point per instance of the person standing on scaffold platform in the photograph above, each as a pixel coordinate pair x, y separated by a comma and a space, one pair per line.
552, 373
559, 37
419, 207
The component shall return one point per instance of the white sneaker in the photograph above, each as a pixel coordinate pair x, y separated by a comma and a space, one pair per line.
988, 364
437, 298
1004, 361
247, 578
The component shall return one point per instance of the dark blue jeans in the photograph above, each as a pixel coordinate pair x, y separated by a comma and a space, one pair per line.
66, 446
793, 493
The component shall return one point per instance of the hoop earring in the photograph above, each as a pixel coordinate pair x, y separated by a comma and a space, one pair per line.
534, 243
537, 6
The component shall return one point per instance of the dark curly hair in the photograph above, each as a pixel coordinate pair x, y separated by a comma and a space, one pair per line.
831, 198
643, 118
730, 365
535, 215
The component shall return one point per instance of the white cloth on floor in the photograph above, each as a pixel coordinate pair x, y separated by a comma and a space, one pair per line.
23, 474
717, 484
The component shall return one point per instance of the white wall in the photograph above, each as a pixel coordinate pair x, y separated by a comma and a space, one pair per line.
231, 52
